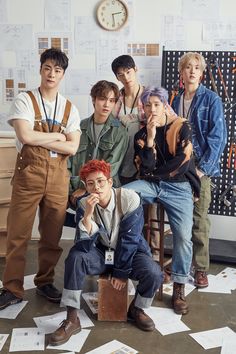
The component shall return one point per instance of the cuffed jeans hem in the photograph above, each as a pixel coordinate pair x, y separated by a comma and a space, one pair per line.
181, 279
70, 298
143, 302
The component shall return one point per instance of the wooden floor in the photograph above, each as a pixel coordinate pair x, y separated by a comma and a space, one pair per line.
207, 311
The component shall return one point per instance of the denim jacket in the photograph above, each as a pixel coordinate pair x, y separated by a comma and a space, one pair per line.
111, 147
130, 241
209, 134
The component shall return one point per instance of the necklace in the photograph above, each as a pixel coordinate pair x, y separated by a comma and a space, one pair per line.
189, 110
45, 112
131, 110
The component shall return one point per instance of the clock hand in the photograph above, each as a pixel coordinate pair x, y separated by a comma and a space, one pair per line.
116, 13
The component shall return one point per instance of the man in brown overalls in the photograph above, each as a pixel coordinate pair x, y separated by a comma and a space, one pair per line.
47, 128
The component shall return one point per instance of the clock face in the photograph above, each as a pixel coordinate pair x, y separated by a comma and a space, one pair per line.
112, 14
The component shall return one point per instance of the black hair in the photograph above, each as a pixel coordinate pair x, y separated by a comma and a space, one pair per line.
56, 55
102, 88
123, 61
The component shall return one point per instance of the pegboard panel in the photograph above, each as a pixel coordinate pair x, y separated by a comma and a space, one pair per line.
219, 76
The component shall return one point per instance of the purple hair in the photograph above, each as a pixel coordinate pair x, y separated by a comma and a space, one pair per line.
159, 92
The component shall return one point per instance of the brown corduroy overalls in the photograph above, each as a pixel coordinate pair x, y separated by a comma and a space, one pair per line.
39, 181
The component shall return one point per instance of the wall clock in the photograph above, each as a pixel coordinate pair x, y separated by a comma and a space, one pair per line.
112, 14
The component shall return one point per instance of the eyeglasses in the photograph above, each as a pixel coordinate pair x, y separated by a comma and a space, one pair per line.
98, 182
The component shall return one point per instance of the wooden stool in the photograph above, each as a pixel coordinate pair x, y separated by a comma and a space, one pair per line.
112, 303
161, 222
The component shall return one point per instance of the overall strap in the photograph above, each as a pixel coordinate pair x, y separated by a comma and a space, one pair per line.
118, 201
37, 113
66, 114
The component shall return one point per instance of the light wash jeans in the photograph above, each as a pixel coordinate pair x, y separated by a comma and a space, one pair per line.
177, 200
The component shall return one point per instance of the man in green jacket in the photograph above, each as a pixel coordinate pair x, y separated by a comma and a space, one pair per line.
103, 137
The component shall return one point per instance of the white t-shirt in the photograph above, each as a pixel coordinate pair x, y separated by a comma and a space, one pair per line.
22, 108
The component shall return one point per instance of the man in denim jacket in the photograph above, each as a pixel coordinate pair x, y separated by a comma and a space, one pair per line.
203, 108
109, 239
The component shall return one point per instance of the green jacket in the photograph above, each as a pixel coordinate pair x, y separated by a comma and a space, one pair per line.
111, 147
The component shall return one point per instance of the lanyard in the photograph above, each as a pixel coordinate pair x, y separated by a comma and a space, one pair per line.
133, 101
189, 110
113, 220
45, 112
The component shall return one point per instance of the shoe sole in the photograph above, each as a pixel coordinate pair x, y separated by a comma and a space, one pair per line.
201, 285
130, 319
52, 299
64, 340
181, 312
12, 302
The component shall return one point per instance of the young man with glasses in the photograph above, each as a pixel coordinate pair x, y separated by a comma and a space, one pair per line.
109, 240
103, 136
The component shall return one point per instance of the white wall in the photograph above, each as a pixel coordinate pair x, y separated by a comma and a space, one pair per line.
186, 30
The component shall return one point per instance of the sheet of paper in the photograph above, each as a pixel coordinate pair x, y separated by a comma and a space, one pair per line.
171, 327
3, 11
166, 321
16, 36
75, 343
11, 312
26, 339
218, 285
3, 338
174, 32
213, 338
29, 282
57, 15
48, 324
200, 9
91, 300
113, 347
229, 275
67, 353
131, 288
228, 346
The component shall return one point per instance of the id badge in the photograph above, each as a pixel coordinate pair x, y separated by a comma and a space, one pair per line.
109, 257
53, 154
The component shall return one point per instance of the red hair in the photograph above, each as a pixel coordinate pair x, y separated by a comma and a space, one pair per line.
95, 166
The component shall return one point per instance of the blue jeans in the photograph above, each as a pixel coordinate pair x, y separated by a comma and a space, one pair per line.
79, 264
177, 200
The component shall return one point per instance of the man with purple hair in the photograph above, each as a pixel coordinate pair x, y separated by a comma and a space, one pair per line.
163, 154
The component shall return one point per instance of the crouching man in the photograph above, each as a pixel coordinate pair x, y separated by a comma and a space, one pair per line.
110, 223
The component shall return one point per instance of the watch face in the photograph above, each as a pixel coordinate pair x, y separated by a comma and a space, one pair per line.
112, 14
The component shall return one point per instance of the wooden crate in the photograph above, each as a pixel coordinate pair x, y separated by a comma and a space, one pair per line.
8, 155
112, 303
5, 187
3, 243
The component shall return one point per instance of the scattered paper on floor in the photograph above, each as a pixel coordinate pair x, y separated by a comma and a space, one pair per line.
75, 343
228, 346
166, 320
213, 338
113, 347
11, 312
91, 300
217, 285
29, 282
3, 338
48, 324
26, 339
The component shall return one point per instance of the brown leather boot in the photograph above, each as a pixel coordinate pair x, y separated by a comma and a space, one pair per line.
67, 328
141, 319
179, 303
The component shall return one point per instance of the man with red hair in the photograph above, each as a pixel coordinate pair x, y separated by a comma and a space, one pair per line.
108, 240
